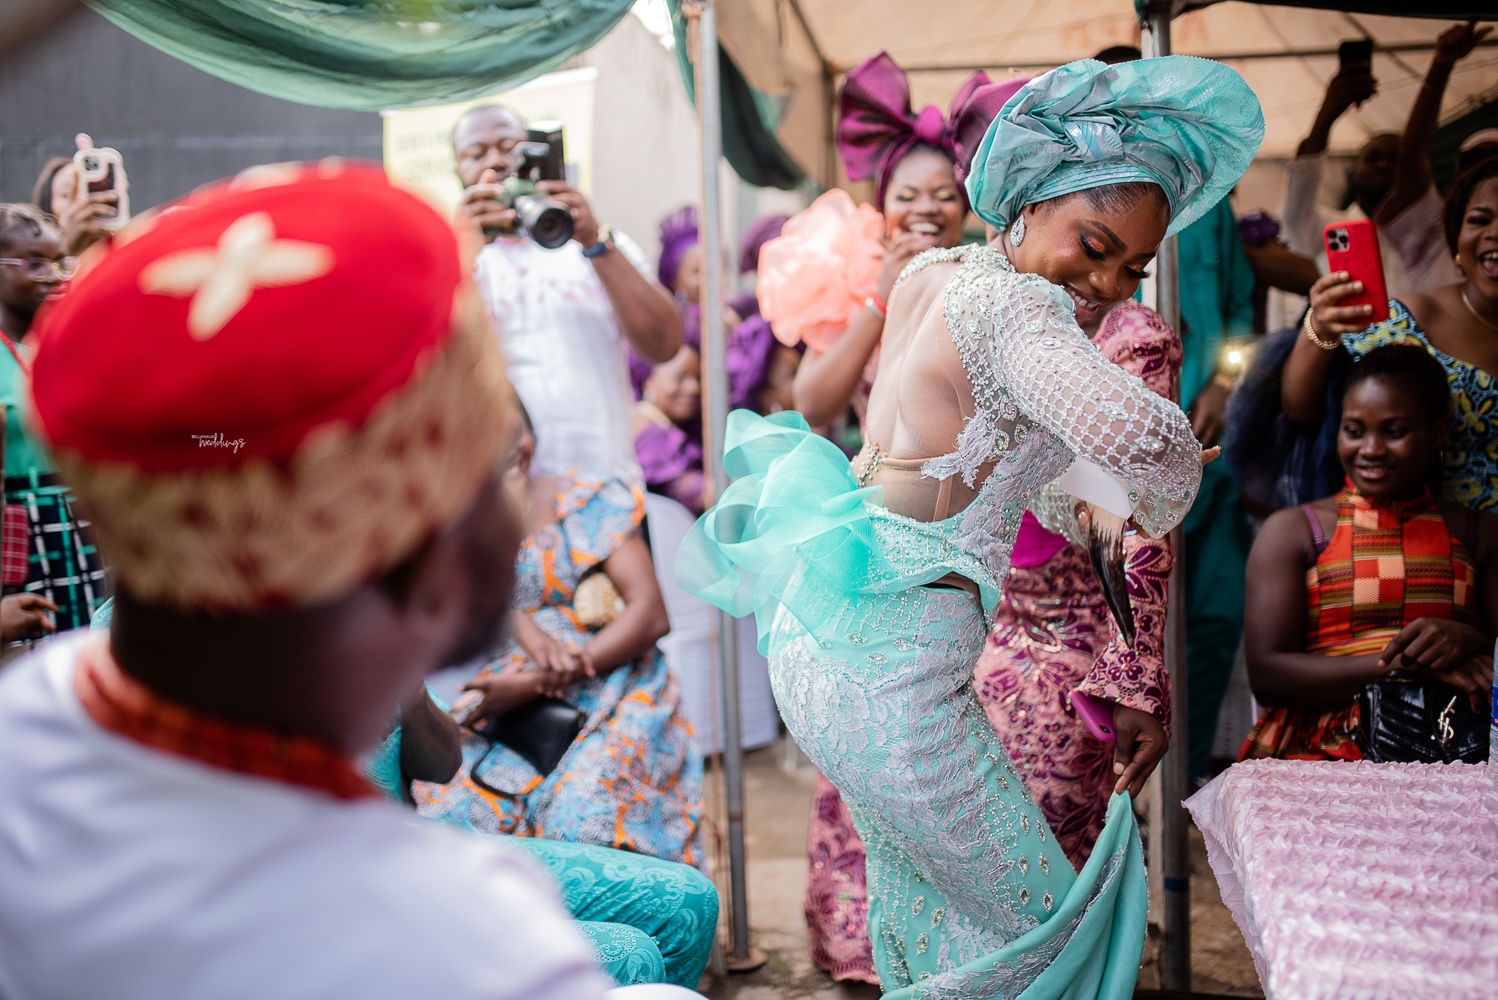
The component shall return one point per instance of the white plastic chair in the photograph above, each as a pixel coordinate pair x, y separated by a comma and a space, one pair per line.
688, 647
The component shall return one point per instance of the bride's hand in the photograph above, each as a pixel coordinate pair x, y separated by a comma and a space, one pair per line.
1209, 455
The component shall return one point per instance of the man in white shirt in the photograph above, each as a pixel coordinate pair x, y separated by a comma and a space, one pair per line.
563, 315
1304, 215
1391, 178
284, 410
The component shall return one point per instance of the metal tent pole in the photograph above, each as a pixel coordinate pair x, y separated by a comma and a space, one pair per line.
715, 384
1174, 846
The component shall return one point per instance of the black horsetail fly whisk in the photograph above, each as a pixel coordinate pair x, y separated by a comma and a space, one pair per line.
1105, 549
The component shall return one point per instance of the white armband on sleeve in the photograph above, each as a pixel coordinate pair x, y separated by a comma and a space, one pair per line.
1096, 486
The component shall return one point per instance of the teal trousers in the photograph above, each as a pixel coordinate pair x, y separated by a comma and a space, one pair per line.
649, 921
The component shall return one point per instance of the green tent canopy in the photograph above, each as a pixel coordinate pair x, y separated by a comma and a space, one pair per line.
369, 55
749, 118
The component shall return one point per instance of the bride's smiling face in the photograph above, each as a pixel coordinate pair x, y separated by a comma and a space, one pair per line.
1097, 245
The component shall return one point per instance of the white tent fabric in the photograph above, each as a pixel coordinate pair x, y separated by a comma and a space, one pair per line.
688, 648
798, 50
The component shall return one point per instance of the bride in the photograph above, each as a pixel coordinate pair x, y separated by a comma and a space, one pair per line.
874, 582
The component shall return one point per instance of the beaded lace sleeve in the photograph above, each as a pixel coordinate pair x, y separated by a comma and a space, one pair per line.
1023, 349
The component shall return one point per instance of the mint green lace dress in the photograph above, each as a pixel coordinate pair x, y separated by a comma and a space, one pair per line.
969, 894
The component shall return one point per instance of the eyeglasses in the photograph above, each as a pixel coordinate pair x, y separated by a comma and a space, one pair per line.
41, 269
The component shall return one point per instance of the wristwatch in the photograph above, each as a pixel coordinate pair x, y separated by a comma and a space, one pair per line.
604, 244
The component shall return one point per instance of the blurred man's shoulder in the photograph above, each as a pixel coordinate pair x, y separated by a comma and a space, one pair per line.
157, 875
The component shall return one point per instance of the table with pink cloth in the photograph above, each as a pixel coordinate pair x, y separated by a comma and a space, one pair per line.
1358, 880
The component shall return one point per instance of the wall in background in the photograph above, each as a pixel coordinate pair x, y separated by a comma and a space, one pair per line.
175, 126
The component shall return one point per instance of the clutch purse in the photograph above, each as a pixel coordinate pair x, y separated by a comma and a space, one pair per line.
540, 731
1418, 720
596, 601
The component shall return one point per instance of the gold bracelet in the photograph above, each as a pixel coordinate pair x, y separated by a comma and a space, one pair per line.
1310, 332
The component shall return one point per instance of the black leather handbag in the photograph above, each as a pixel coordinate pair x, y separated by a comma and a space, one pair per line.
540, 731
1418, 720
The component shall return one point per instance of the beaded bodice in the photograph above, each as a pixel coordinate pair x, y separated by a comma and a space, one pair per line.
1045, 397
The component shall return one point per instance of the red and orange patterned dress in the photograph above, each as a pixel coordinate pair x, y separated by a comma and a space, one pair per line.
1386, 564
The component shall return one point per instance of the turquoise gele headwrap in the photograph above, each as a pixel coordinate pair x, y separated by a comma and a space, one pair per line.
1190, 125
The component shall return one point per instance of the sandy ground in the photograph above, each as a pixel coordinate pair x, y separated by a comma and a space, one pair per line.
778, 803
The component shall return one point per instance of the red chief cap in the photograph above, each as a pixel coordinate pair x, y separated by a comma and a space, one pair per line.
273, 390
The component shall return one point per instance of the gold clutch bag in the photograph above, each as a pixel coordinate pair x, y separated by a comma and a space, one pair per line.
597, 601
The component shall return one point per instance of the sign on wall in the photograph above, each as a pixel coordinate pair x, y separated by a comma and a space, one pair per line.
418, 141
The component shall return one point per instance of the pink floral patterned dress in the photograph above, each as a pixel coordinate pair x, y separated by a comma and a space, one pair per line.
1053, 634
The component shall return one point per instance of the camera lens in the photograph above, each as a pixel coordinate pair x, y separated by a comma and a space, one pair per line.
548, 222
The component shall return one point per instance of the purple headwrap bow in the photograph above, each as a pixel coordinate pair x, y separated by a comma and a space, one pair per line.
876, 127
970, 120
1257, 228
678, 235
764, 229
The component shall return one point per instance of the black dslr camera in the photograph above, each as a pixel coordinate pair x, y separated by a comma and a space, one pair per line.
543, 219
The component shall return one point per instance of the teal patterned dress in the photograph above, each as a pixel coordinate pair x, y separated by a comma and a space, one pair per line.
1471, 456
872, 659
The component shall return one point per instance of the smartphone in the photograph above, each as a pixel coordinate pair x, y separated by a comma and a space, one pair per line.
1096, 716
103, 169
1352, 246
1358, 50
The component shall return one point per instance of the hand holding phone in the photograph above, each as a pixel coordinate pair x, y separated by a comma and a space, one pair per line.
1095, 714
100, 171
1352, 246
1354, 82
1356, 50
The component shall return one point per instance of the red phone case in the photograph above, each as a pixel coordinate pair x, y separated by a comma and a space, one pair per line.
1352, 246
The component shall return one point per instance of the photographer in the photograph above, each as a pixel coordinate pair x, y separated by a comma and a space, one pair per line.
560, 313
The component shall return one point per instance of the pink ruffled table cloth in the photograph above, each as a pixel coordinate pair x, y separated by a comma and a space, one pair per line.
1357, 880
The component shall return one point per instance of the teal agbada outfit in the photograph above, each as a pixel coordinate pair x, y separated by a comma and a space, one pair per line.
873, 620
1216, 303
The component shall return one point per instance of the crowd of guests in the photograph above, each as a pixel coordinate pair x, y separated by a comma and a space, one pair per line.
1345, 541
1370, 415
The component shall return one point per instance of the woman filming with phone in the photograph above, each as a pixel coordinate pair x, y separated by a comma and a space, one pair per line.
87, 192
1457, 324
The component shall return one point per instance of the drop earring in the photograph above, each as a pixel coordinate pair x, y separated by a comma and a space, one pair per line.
1017, 232
1458, 259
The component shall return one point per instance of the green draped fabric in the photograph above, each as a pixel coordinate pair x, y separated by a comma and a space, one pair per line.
749, 119
369, 54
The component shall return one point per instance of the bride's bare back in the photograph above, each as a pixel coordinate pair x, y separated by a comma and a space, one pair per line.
921, 395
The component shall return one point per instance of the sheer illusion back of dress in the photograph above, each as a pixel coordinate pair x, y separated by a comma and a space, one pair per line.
1035, 396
